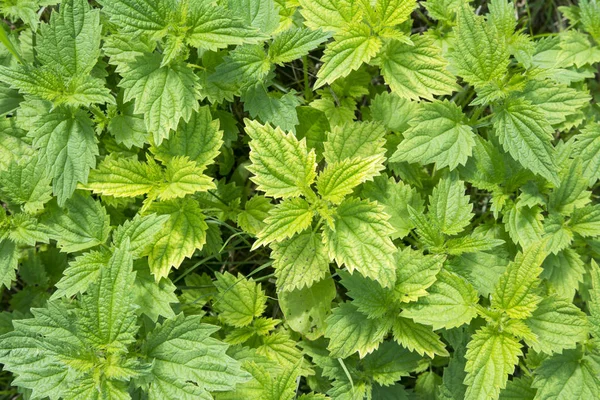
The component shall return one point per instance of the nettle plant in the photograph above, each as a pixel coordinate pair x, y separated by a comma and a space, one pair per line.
273, 200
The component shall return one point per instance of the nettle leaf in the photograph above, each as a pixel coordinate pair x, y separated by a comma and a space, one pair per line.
558, 325
350, 331
395, 197
239, 300
198, 139
67, 144
594, 303
81, 224
491, 357
479, 52
329, 15
352, 46
201, 367
81, 272
140, 231
450, 303
300, 261
515, 292
418, 70
282, 165
261, 14
339, 179
369, 297
359, 239
163, 94
449, 206
294, 43
385, 368
439, 134
355, 140
279, 111
9, 262
572, 374
27, 184
286, 219
415, 273
306, 309
587, 144
181, 235
418, 338
525, 133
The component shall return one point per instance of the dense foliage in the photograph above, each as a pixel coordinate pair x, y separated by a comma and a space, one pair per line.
299, 199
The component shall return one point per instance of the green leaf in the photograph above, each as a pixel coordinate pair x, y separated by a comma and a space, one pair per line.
524, 132
352, 46
479, 52
141, 232
355, 140
9, 262
393, 12
393, 111
439, 134
329, 15
389, 363
586, 221
395, 197
239, 300
181, 235
524, 224
415, 272
369, 297
350, 331
153, 299
107, 315
594, 301
70, 43
81, 224
491, 357
558, 325
202, 366
449, 206
306, 309
26, 184
199, 139
515, 292
261, 14
251, 219
294, 43
450, 303
278, 111
570, 375
285, 220
81, 272
282, 165
587, 144
300, 261
418, 338
339, 179
359, 239
67, 144
418, 70
124, 177
163, 94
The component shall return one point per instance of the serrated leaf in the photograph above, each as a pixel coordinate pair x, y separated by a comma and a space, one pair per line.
515, 292
558, 325
199, 139
350, 331
415, 272
124, 177
81, 272
417, 337
9, 262
491, 357
418, 70
524, 224
67, 143
587, 144
300, 261
479, 52
141, 232
26, 184
570, 375
352, 46
524, 132
359, 239
306, 309
282, 165
450, 303
368, 296
163, 94
449, 206
81, 224
203, 362
181, 235
339, 179
354, 140
439, 134
294, 43
239, 300
395, 198
329, 15
389, 363
285, 220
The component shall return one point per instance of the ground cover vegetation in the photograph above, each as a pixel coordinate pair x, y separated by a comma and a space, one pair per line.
299, 199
